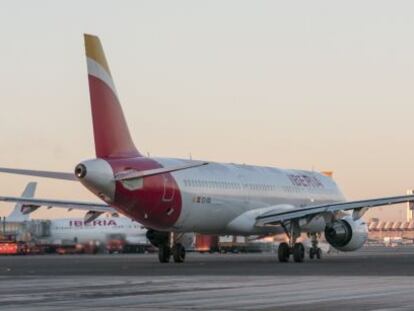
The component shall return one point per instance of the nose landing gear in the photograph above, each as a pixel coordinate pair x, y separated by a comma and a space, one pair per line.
315, 251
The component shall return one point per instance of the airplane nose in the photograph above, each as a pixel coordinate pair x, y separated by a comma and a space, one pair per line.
97, 175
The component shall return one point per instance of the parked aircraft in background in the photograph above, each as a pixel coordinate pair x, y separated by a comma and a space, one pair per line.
21, 212
77, 230
102, 230
175, 195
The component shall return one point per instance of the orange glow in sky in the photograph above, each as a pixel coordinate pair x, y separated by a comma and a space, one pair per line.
323, 85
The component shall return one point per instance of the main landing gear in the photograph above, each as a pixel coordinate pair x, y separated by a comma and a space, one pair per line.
291, 248
164, 253
297, 249
163, 241
177, 252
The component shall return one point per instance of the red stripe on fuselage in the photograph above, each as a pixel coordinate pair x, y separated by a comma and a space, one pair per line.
157, 204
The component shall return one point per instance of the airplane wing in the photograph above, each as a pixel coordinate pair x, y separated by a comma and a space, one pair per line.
274, 217
35, 203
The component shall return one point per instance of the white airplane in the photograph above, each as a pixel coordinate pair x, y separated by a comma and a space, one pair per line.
80, 231
175, 195
20, 212
101, 229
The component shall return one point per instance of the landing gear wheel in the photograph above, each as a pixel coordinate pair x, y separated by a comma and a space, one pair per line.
164, 253
318, 253
298, 252
311, 253
283, 252
178, 253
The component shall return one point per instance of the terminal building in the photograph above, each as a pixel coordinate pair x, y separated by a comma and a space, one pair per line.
25, 231
402, 228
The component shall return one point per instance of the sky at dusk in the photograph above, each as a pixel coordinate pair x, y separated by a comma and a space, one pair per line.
323, 85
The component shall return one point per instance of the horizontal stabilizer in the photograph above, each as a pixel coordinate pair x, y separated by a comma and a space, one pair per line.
46, 174
133, 174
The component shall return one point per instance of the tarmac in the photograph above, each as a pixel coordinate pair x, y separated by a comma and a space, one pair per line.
375, 278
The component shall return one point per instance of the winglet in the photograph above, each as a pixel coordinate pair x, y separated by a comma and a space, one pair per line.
112, 137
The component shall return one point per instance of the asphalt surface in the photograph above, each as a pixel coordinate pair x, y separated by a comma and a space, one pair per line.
374, 278
374, 261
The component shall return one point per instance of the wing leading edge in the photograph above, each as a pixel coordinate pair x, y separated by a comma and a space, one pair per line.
276, 217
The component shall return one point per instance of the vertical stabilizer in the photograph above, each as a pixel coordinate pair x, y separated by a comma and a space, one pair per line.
17, 214
112, 137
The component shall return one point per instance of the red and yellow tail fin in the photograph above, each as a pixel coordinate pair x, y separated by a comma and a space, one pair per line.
112, 137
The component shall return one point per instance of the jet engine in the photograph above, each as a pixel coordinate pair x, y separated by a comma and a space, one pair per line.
346, 234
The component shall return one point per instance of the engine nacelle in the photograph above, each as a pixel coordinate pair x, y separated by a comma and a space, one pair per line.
346, 234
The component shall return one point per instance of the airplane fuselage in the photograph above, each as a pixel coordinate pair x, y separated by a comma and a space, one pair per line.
209, 199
